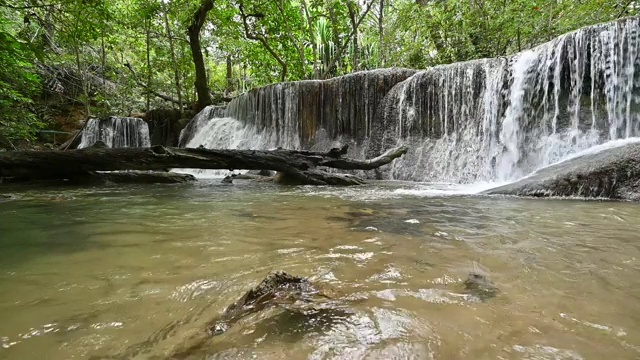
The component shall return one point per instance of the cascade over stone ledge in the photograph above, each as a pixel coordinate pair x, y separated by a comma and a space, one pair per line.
479, 121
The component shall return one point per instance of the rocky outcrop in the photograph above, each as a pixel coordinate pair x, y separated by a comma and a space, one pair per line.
165, 125
278, 289
612, 173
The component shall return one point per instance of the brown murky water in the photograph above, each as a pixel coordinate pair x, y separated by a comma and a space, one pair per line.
133, 272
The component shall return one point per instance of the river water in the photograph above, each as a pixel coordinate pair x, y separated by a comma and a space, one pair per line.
132, 272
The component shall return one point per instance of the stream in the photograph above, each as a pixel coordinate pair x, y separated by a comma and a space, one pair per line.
133, 271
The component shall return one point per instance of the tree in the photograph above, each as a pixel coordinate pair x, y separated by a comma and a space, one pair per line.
201, 84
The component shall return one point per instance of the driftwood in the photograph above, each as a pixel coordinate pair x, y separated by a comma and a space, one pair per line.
301, 166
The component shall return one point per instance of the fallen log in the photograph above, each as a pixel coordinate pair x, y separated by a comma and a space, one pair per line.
301, 166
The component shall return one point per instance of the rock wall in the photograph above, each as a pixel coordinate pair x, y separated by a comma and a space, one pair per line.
342, 106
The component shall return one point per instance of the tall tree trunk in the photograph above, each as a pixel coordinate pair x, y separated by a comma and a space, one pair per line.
103, 57
335, 32
381, 33
229, 75
148, 30
201, 83
81, 71
343, 46
305, 9
176, 70
351, 6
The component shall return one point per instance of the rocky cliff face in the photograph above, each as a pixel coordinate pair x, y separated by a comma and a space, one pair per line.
294, 112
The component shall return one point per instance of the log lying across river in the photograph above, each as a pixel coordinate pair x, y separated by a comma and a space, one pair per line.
300, 167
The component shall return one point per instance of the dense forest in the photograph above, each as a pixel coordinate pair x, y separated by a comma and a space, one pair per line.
65, 60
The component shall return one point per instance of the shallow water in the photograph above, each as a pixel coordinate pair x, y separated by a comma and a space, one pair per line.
133, 272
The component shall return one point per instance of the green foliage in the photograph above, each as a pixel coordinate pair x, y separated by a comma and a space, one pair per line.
116, 53
17, 85
446, 31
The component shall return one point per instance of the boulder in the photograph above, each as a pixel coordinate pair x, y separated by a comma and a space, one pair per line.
480, 286
278, 289
604, 173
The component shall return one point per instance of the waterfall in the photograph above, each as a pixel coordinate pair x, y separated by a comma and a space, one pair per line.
500, 119
116, 132
478, 121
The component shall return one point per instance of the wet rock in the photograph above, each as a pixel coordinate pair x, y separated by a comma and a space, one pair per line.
261, 172
7, 197
480, 286
609, 174
278, 289
227, 179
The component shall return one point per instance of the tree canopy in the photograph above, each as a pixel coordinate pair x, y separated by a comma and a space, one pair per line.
93, 57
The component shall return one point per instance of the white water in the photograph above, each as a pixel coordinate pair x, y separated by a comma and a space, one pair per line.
229, 133
116, 132
484, 121
512, 116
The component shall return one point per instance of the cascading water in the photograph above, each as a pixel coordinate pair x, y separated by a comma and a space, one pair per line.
500, 119
116, 132
478, 121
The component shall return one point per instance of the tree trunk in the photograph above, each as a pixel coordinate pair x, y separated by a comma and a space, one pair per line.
263, 40
148, 43
305, 10
351, 6
201, 84
381, 31
176, 70
229, 76
301, 166
343, 46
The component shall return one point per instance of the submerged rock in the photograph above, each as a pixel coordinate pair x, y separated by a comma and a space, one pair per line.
261, 172
227, 179
278, 289
7, 197
610, 174
480, 286
143, 177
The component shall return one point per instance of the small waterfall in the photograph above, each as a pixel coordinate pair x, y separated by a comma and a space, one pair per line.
479, 121
116, 132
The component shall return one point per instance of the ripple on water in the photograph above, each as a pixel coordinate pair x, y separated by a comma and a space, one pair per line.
193, 289
380, 331
546, 352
